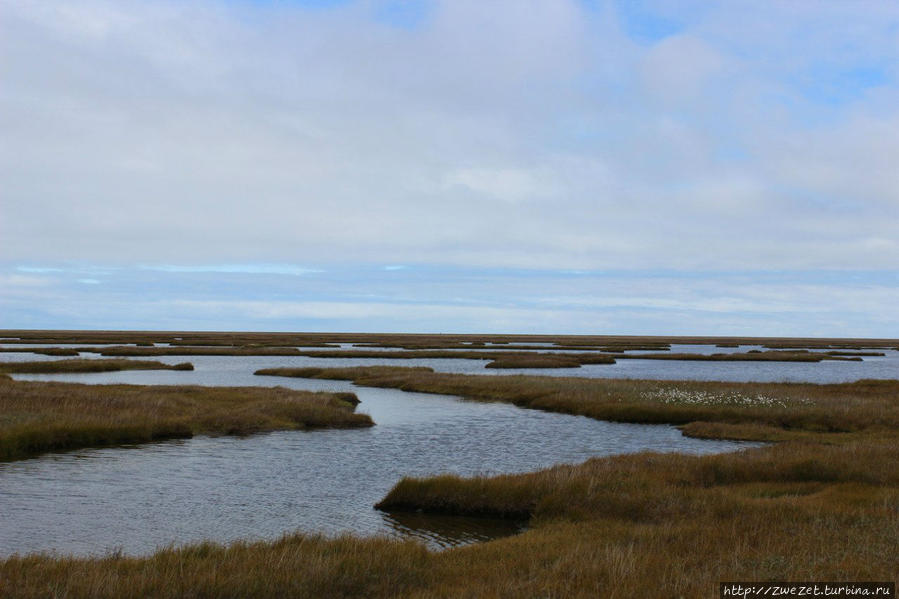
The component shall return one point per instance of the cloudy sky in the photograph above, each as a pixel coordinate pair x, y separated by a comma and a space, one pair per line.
570, 166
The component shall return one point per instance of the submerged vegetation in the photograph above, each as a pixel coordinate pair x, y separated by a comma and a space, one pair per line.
37, 417
70, 366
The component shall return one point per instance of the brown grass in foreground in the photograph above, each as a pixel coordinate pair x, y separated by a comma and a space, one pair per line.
645, 525
71, 366
37, 417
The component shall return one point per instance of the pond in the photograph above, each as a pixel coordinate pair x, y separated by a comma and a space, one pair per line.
222, 489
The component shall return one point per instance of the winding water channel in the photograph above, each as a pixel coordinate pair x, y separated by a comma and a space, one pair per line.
135, 499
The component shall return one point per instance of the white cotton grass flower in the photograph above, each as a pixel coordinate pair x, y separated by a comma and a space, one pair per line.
709, 398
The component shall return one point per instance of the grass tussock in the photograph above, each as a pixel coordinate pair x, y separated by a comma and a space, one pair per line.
72, 366
37, 417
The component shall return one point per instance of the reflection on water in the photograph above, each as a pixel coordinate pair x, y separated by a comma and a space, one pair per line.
450, 531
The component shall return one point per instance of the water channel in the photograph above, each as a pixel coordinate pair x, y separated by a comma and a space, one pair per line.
135, 499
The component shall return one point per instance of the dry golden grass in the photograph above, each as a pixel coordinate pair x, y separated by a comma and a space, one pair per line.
46, 351
750, 356
77, 365
536, 361
131, 350
757, 411
646, 525
40, 417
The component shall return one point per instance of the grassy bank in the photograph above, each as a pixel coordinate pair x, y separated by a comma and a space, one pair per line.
645, 525
71, 366
537, 361
747, 411
46, 351
37, 417
131, 350
750, 356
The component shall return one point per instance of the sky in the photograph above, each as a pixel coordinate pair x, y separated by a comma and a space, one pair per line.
556, 166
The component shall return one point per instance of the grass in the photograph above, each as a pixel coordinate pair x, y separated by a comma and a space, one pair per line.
131, 350
501, 358
71, 366
823, 506
750, 356
37, 417
611, 343
46, 351
746, 411
820, 504
536, 361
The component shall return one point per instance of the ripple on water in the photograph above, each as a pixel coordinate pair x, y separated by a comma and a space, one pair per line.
135, 499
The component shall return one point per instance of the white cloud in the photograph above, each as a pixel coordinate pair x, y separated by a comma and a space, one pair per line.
208, 133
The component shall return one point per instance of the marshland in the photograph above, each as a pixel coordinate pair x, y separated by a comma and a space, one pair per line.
256, 474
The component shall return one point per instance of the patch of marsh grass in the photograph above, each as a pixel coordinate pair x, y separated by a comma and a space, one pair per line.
37, 417
768, 410
78, 365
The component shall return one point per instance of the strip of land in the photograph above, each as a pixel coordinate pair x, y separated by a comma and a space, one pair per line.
37, 417
743, 411
72, 366
424, 341
496, 358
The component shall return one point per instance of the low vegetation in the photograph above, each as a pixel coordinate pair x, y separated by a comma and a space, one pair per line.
46, 351
822, 505
500, 358
133, 350
745, 411
37, 417
750, 356
536, 361
608, 343
72, 366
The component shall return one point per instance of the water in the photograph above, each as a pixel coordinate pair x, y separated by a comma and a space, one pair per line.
260, 487
238, 369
